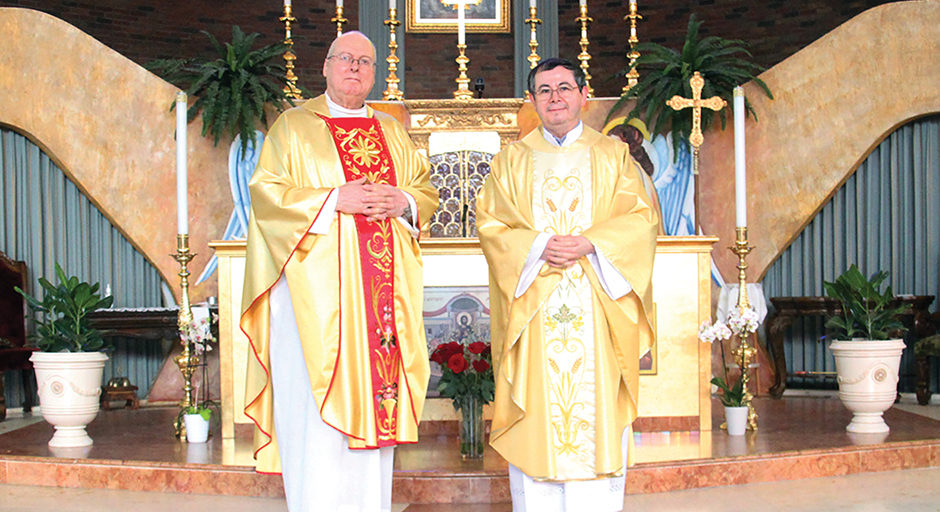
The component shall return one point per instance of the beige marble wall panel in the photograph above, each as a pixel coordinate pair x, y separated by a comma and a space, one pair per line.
835, 100
106, 121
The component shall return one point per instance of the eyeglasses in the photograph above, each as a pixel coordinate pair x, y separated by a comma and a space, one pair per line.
545, 92
347, 60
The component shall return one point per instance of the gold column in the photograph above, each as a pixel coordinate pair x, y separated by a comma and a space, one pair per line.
391, 90
290, 89
533, 20
463, 91
633, 76
584, 56
744, 352
187, 360
339, 20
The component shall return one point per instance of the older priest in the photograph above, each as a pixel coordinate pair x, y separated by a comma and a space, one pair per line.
569, 235
333, 292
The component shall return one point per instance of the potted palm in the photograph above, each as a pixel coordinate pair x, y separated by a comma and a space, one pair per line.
866, 347
70, 362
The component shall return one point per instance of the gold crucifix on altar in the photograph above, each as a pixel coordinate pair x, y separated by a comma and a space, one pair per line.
695, 137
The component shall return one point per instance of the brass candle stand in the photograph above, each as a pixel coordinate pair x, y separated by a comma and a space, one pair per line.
187, 360
744, 352
339, 20
633, 76
463, 90
533, 20
290, 89
392, 92
584, 56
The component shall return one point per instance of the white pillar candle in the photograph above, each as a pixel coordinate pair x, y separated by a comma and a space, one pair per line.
532, 4
583, 3
740, 179
182, 207
339, 3
632, 2
286, 3
461, 21
392, 4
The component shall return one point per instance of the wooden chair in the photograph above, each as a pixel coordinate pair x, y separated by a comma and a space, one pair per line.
14, 354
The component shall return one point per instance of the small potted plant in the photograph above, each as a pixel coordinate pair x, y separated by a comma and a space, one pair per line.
467, 379
866, 346
732, 395
70, 362
197, 416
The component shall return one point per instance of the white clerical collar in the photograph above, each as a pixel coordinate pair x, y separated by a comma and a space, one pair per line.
567, 140
337, 110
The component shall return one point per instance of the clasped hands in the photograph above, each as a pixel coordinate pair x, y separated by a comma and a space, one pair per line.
562, 251
377, 201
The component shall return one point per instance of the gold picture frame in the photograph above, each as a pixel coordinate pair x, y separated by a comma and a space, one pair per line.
432, 16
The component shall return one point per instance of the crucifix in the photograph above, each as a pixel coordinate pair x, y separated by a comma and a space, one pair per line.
696, 138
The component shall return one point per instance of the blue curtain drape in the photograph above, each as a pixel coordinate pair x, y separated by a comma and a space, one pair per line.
47, 219
885, 217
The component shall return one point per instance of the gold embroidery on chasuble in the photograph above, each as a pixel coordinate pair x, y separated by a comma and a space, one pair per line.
363, 152
562, 204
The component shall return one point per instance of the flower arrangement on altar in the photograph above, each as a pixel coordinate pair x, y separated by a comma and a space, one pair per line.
466, 371
467, 379
740, 323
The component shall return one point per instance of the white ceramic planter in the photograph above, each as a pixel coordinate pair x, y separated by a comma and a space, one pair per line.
69, 392
736, 419
868, 380
197, 428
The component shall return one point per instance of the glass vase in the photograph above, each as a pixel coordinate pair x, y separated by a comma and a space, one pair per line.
471, 426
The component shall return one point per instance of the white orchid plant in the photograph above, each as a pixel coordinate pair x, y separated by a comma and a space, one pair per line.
740, 323
199, 333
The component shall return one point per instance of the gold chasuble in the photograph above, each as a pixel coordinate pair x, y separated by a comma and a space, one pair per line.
566, 355
356, 290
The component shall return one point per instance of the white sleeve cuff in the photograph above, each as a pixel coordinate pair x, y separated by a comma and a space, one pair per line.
533, 264
612, 281
410, 224
321, 226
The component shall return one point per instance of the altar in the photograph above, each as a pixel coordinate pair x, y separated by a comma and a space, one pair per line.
674, 386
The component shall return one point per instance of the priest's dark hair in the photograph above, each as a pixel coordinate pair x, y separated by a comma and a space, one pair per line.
552, 63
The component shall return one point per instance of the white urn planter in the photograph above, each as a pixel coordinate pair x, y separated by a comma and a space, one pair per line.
197, 428
868, 380
736, 419
69, 392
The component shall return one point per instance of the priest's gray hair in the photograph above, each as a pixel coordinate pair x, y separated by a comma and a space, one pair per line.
553, 62
332, 49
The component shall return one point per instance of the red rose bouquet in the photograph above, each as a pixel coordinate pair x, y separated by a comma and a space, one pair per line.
467, 370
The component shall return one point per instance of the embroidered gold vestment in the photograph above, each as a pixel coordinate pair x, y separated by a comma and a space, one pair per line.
623, 227
298, 167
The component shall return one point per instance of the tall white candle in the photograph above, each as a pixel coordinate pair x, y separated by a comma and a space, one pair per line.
339, 3
532, 4
632, 2
182, 207
740, 179
393, 4
583, 3
461, 21
286, 3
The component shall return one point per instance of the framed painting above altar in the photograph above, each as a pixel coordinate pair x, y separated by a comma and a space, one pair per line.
436, 16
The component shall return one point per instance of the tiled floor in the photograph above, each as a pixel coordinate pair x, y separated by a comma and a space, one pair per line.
803, 434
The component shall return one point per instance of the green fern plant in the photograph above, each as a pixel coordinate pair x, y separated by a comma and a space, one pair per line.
232, 89
867, 313
665, 72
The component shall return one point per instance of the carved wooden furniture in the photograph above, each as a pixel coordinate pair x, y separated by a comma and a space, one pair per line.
14, 355
787, 309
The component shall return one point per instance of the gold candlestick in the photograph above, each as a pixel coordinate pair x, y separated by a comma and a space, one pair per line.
744, 352
584, 56
463, 89
187, 360
533, 20
391, 90
339, 20
633, 76
290, 89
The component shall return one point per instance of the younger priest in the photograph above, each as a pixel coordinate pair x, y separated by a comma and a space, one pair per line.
332, 303
569, 234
